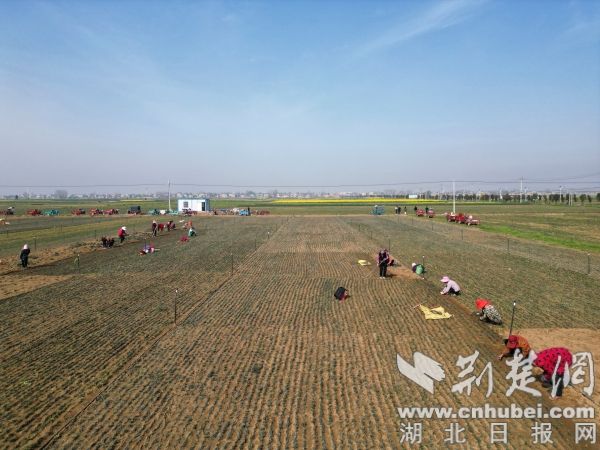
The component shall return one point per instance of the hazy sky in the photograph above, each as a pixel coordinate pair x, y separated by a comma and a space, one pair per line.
298, 93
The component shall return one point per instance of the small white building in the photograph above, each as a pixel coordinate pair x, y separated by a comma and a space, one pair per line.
193, 204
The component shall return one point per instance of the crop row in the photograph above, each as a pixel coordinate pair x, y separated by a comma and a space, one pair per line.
62, 343
270, 360
556, 256
546, 295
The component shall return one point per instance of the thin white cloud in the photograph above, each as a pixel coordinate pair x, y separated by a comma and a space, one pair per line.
441, 15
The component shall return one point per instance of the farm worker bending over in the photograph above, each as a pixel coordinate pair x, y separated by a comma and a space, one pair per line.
383, 260
514, 343
154, 228
148, 248
122, 233
24, 256
451, 287
419, 269
551, 360
107, 242
487, 311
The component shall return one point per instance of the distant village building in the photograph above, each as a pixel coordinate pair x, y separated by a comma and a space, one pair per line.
193, 204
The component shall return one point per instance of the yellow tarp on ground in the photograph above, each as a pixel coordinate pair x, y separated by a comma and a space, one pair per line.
364, 262
435, 313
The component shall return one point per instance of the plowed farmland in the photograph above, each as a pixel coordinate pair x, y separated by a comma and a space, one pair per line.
262, 356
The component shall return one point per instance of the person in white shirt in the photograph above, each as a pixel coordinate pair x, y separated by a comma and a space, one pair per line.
451, 287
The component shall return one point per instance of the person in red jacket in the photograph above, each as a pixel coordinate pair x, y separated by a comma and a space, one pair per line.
122, 234
551, 361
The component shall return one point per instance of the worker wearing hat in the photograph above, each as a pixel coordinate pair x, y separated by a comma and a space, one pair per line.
514, 343
122, 233
419, 269
451, 287
487, 311
24, 255
383, 261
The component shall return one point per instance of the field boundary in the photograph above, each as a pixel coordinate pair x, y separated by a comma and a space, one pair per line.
508, 246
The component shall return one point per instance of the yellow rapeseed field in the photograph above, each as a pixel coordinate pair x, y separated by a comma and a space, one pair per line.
369, 200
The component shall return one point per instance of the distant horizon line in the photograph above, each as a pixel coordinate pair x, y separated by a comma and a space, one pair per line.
427, 194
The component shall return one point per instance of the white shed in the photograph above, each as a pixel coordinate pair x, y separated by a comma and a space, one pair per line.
193, 204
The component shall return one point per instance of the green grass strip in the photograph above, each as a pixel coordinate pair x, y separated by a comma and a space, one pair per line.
564, 241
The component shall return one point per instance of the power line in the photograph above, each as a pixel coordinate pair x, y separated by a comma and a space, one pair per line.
274, 186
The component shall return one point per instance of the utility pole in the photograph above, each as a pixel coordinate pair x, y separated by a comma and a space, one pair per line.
521, 192
560, 197
453, 197
169, 195
512, 318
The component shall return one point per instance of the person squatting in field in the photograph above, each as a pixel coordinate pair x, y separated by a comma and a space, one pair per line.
24, 256
451, 287
148, 248
383, 260
487, 311
551, 361
107, 242
122, 234
419, 269
514, 343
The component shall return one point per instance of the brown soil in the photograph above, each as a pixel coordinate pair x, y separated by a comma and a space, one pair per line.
44, 257
576, 340
270, 360
397, 270
402, 272
261, 356
47, 256
19, 284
